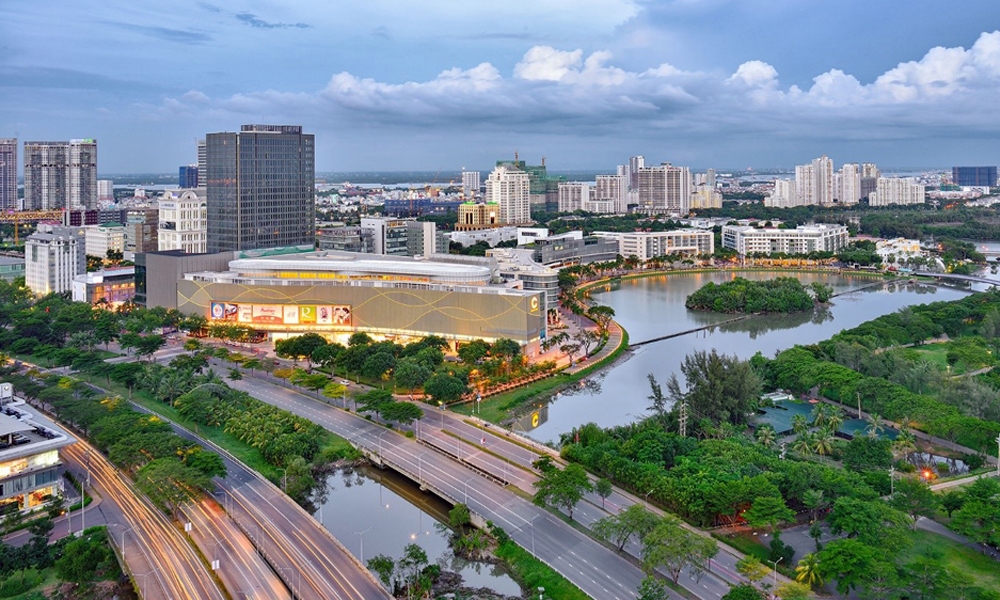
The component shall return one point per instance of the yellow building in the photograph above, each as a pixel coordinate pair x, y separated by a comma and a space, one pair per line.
472, 216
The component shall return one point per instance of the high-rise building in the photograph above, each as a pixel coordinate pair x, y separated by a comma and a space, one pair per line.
142, 229
103, 238
785, 194
848, 184
260, 188
8, 174
805, 185
823, 172
706, 197
665, 188
635, 164
510, 189
869, 179
51, 262
896, 190
202, 162
710, 178
470, 184
105, 190
974, 176
614, 189
60, 175
573, 196
183, 221
389, 236
187, 177
82, 174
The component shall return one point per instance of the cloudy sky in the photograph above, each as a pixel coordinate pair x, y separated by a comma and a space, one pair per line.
430, 84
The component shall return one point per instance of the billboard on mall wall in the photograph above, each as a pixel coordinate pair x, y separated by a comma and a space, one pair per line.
282, 314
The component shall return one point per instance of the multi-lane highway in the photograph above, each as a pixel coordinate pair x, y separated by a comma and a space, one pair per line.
598, 571
162, 563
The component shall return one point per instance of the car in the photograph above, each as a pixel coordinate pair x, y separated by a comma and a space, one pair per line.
345, 382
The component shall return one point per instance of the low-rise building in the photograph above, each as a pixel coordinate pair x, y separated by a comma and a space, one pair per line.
102, 238
11, 268
474, 216
647, 245
801, 240
897, 249
51, 262
107, 286
347, 239
517, 266
491, 236
566, 250
30, 467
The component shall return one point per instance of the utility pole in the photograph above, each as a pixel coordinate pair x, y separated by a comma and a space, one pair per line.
682, 419
859, 404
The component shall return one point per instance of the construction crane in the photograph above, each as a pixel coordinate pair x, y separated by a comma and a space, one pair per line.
30, 216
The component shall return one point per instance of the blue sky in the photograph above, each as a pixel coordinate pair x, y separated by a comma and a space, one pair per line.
404, 84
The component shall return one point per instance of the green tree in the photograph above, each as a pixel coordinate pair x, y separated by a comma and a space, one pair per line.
402, 413
743, 592
562, 489
375, 401
766, 436
410, 373
793, 590
807, 571
85, 559
459, 516
445, 388
385, 567
658, 402
872, 522
952, 501
721, 388
619, 529
768, 511
814, 500
602, 315
673, 547
846, 560
651, 588
914, 497
378, 365
604, 488
750, 567
821, 292
474, 351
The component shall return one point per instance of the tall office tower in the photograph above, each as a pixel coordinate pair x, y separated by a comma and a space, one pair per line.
972, 176
613, 188
573, 196
849, 184
202, 170
665, 187
82, 173
105, 190
8, 174
710, 178
46, 175
635, 164
260, 188
187, 177
510, 189
805, 185
823, 172
51, 262
470, 183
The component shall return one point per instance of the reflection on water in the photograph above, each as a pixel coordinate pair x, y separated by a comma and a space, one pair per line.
653, 307
386, 511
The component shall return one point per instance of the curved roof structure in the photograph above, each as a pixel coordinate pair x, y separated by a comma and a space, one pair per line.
364, 266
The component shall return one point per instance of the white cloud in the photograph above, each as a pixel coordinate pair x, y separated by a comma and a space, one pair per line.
545, 63
755, 73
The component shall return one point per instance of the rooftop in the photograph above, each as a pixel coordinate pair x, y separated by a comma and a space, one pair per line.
24, 434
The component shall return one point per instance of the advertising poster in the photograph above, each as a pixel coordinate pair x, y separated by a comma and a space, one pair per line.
342, 315
246, 313
307, 315
291, 315
222, 311
324, 315
267, 314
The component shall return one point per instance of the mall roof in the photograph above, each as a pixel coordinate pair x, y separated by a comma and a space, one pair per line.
349, 263
25, 434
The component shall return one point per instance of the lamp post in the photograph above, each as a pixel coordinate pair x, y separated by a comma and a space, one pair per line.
361, 534
420, 469
780, 558
380, 444
647, 498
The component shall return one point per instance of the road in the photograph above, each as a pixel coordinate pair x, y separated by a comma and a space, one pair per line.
235, 561
161, 562
598, 571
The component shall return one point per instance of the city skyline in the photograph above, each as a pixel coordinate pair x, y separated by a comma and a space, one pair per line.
390, 86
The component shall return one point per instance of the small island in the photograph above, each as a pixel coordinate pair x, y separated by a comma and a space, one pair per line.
742, 296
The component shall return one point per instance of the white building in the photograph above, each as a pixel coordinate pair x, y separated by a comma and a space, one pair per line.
896, 190
801, 240
51, 262
785, 194
823, 173
183, 221
805, 185
101, 238
492, 236
202, 164
635, 164
573, 196
470, 183
105, 190
611, 191
389, 235
847, 189
510, 190
665, 188
897, 249
647, 245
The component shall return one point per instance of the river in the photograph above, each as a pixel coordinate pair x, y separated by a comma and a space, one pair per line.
654, 306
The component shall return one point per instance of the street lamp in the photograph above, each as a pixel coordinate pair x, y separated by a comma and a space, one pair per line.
380, 443
420, 469
361, 534
647, 498
780, 558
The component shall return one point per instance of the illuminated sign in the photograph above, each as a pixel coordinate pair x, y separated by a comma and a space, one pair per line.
282, 314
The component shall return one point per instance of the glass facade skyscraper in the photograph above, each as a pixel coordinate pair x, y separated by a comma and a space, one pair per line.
974, 176
8, 173
260, 186
187, 177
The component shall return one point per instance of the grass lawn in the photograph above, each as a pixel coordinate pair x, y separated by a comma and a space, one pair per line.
982, 569
936, 354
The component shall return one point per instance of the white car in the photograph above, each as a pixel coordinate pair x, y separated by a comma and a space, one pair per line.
345, 382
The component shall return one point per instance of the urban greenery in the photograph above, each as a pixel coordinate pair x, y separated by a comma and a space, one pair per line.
779, 295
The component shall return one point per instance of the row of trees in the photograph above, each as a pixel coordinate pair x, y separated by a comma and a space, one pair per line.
779, 295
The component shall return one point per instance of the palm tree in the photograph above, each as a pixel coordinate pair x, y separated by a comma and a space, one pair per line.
834, 420
800, 424
803, 444
823, 441
875, 425
819, 415
905, 444
807, 571
766, 436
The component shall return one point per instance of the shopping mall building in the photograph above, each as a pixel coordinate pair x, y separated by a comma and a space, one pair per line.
338, 293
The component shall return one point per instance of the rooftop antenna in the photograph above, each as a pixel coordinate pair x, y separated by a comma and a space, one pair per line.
543, 161
515, 155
